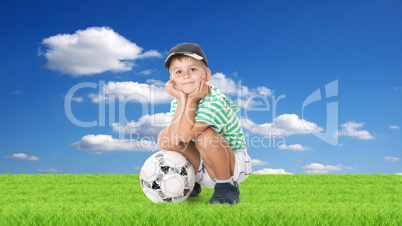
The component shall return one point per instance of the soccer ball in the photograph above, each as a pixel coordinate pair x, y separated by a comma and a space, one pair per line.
167, 176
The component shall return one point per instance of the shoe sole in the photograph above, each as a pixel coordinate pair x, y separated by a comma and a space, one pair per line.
225, 203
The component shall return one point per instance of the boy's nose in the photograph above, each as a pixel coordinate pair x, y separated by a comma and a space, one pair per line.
186, 75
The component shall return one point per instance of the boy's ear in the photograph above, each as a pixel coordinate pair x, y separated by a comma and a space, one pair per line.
207, 75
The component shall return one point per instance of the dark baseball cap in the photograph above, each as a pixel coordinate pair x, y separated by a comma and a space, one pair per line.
189, 49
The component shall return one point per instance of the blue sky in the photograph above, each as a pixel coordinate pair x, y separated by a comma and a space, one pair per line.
266, 50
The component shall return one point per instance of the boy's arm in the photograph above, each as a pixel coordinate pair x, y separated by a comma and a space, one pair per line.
188, 128
174, 127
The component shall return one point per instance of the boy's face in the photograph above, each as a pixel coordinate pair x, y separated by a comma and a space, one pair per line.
187, 72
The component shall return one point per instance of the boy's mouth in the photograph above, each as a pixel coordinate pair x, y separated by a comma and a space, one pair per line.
187, 83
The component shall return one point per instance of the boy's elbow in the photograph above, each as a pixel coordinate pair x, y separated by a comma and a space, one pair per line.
164, 142
187, 137
164, 145
190, 135
187, 140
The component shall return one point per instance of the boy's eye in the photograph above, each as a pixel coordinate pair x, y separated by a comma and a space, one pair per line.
178, 72
193, 69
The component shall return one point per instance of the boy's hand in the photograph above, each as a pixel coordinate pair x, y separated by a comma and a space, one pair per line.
201, 91
174, 90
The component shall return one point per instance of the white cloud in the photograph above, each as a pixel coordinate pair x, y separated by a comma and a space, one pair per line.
394, 127
155, 82
398, 174
226, 85
256, 162
147, 125
92, 51
17, 92
135, 92
294, 147
351, 129
391, 159
264, 91
284, 125
76, 99
146, 72
23, 157
155, 92
246, 96
316, 168
50, 170
150, 53
108, 143
247, 103
96, 98
272, 171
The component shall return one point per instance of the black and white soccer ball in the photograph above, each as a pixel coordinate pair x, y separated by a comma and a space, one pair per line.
167, 176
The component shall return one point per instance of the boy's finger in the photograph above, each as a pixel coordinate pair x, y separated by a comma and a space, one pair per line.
199, 84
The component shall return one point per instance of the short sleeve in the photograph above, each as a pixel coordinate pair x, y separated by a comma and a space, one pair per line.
173, 106
213, 113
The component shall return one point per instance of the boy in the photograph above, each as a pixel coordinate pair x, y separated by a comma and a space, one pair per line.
203, 113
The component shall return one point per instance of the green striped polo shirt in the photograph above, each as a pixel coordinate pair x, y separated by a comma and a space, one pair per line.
221, 115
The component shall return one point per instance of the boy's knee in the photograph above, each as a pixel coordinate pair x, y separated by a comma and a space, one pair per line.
208, 138
207, 133
162, 133
163, 140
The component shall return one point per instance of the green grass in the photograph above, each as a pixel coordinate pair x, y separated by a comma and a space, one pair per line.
266, 200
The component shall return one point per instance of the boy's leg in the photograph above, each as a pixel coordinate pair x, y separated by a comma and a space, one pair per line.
214, 149
219, 159
219, 162
188, 150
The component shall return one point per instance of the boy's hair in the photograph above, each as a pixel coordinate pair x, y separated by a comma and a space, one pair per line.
184, 57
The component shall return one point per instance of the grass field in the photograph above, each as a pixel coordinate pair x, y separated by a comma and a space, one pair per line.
266, 200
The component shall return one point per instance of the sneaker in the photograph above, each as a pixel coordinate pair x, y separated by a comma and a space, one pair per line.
226, 193
196, 189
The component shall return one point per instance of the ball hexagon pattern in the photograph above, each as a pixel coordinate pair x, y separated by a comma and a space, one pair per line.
167, 176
